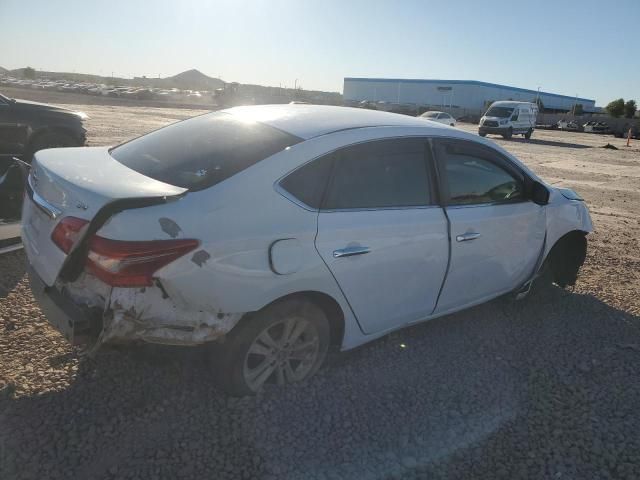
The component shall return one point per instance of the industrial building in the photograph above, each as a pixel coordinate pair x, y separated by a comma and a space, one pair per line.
462, 96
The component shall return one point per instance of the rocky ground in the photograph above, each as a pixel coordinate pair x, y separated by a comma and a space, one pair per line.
544, 388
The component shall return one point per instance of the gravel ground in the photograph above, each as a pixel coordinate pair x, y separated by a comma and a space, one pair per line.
545, 388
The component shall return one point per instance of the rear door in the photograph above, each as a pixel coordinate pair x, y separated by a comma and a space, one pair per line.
497, 232
381, 233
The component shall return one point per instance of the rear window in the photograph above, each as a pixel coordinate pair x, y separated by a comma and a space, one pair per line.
202, 151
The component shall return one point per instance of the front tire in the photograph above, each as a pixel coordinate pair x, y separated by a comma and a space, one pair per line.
284, 343
508, 134
482, 134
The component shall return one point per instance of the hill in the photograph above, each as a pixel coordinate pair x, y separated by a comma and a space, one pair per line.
3, 70
195, 80
189, 80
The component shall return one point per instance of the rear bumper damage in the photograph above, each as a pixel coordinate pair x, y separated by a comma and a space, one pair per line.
88, 311
149, 314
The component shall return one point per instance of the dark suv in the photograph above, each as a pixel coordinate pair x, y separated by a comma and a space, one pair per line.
25, 128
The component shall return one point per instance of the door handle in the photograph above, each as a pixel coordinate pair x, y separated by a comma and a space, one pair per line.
350, 251
465, 237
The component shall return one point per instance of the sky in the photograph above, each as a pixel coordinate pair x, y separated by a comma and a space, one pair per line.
587, 48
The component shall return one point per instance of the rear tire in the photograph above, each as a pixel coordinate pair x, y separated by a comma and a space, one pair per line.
508, 134
285, 343
482, 134
528, 134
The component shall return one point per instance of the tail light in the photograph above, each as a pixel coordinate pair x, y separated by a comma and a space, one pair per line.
67, 232
132, 264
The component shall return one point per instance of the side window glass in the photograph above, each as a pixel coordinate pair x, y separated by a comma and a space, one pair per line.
473, 179
442, 115
380, 174
514, 117
308, 183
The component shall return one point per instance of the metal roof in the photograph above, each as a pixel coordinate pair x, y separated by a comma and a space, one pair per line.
308, 121
467, 82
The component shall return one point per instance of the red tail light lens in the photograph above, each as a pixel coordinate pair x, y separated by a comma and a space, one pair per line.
68, 232
132, 264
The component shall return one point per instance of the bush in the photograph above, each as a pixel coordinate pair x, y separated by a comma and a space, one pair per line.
630, 109
616, 108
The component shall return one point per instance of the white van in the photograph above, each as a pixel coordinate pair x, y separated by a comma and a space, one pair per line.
509, 118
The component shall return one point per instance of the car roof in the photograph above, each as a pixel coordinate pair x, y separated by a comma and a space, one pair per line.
309, 121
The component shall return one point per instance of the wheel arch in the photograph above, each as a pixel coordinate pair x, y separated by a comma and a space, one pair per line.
329, 306
566, 256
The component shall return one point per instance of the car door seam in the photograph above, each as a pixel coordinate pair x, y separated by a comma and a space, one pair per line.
315, 240
441, 200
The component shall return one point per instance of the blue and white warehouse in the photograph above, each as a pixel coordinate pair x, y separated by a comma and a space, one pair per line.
470, 95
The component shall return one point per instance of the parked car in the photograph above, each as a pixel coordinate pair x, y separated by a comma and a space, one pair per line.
285, 230
440, 117
569, 125
509, 118
26, 127
596, 127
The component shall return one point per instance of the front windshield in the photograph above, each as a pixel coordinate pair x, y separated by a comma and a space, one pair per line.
500, 112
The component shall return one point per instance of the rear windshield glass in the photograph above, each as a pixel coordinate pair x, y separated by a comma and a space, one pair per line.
202, 151
429, 114
500, 112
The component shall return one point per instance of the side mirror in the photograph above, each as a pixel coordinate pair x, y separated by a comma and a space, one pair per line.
539, 193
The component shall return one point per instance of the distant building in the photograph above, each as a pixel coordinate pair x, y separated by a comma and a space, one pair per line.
464, 95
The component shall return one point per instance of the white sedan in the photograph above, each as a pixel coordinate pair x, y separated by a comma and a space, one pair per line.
281, 231
440, 117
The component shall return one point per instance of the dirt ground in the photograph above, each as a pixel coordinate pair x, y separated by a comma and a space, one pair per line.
545, 388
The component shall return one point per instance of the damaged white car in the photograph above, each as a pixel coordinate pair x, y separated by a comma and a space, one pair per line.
282, 231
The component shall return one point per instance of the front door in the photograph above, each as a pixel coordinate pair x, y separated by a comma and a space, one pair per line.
497, 232
381, 234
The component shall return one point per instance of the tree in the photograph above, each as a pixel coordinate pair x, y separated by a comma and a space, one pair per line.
578, 109
630, 109
616, 108
29, 73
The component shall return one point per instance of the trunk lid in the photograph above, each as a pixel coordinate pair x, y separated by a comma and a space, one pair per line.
77, 182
